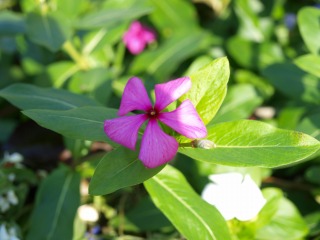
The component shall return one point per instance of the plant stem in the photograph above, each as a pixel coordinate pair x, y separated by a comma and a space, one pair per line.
75, 55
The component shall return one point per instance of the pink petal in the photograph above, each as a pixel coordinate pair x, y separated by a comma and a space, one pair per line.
185, 120
148, 35
169, 92
133, 31
157, 147
124, 130
135, 97
136, 45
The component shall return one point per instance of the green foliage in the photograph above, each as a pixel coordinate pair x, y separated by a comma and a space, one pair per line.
248, 143
59, 192
119, 168
65, 65
196, 219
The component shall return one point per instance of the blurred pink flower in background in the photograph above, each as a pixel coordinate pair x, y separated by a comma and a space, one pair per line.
157, 147
137, 37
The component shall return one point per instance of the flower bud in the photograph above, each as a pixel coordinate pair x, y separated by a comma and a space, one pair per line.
204, 144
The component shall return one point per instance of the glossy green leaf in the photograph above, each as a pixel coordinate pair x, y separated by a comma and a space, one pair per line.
309, 63
57, 202
293, 82
111, 16
309, 26
209, 87
310, 125
240, 103
48, 30
164, 60
25, 96
191, 215
118, 169
251, 143
11, 23
84, 123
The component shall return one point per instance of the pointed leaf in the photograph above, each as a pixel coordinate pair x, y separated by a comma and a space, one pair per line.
57, 201
309, 63
191, 215
48, 30
164, 60
309, 26
118, 169
80, 123
209, 87
25, 96
251, 143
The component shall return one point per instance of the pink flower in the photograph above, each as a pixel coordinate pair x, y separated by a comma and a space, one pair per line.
157, 147
137, 37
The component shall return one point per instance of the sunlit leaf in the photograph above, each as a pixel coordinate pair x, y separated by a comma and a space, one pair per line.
191, 215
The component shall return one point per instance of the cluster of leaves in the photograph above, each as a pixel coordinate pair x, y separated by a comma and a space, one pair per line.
75, 48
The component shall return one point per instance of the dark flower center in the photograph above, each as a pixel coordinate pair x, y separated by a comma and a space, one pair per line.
152, 113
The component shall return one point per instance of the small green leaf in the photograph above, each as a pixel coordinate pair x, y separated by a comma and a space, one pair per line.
191, 215
60, 72
310, 125
57, 202
286, 223
48, 30
11, 23
164, 60
251, 143
254, 55
111, 17
25, 96
309, 63
240, 103
118, 169
309, 26
293, 82
84, 123
209, 87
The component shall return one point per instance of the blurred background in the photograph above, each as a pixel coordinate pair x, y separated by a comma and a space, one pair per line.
273, 47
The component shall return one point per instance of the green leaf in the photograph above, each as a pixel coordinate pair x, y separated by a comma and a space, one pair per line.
118, 169
254, 55
247, 143
209, 87
240, 103
312, 175
303, 86
48, 30
167, 19
164, 60
57, 202
286, 224
111, 16
309, 63
191, 215
60, 72
309, 26
11, 23
84, 123
310, 125
25, 96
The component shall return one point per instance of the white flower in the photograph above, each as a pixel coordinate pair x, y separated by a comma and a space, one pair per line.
234, 196
4, 204
13, 158
7, 235
88, 213
12, 198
